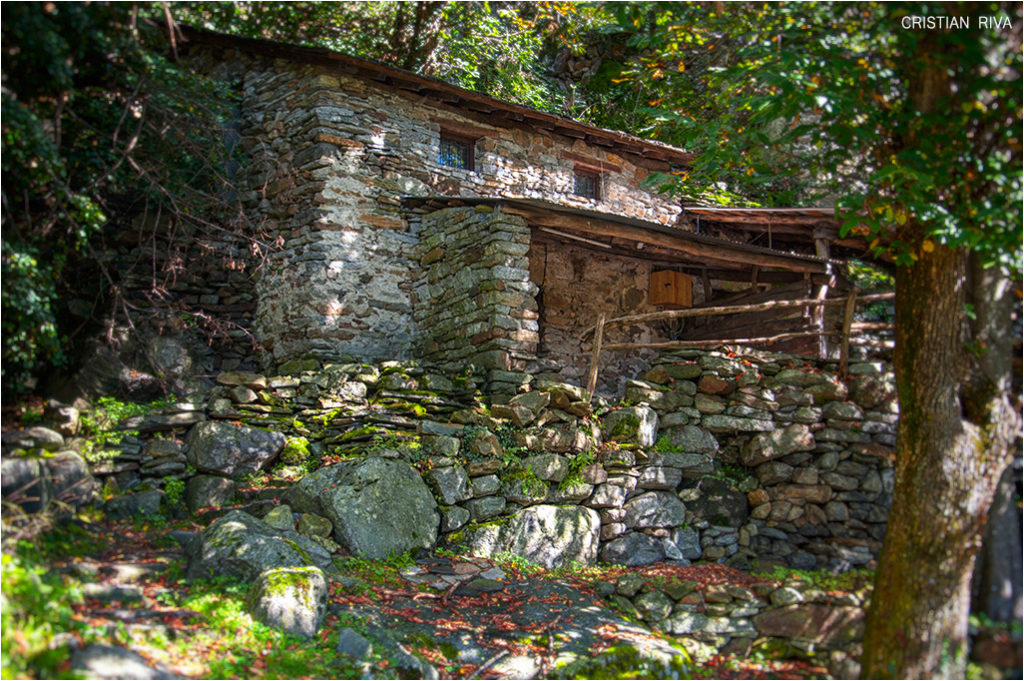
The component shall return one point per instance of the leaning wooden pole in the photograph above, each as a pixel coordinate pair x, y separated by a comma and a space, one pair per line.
595, 355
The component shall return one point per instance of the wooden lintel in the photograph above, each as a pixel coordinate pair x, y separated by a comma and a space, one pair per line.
592, 163
460, 128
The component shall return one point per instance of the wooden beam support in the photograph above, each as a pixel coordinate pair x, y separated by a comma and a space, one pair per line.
678, 242
730, 309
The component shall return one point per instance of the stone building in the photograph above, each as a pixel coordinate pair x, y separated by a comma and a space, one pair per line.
415, 219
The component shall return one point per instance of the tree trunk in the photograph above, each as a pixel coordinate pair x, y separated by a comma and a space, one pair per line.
956, 423
997, 591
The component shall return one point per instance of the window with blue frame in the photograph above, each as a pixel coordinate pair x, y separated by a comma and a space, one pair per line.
456, 151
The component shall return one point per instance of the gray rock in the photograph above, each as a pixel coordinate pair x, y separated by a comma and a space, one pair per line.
232, 451
450, 483
483, 508
653, 606
205, 491
486, 485
25, 482
687, 540
379, 507
453, 517
773, 472
633, 549
280, 518
35, 437
692, 440
293, 599
239, 545
801, 379
547, 466
828, 626
112, 593
568, 494
786, 595
721, 423
660, 477
654, 509
846, 411
719, 503
149, 503
608, 496
98, 661
776, 444
313, 525
637, 424
629, 584
352, 644
551, 536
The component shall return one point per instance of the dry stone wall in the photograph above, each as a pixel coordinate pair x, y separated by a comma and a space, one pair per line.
750, 460
577, 285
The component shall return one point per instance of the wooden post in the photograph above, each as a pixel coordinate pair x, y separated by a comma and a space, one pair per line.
821, 249
844, 356
595, 354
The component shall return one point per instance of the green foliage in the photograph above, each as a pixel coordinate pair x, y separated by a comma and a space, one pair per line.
794, 102
574, 476
99, 125
625, 661
37, 609
383, 572
825, 580
665, 446
98, 424
174, 489
501, 49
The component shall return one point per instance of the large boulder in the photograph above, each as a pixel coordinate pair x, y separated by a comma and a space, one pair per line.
232, 451
293, 599
35, 437
25, 482
379, 507
72, 482
551, 536
239, 545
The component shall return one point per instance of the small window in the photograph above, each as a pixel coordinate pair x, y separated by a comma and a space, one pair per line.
456, 152
587, 183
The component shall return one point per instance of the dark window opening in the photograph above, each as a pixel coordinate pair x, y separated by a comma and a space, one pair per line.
456, 152
587, 183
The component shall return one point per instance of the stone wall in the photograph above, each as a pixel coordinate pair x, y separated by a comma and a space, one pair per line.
750, 460
577, 285
329, 155
474, 299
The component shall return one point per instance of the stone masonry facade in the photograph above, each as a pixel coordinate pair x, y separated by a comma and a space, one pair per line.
330, 156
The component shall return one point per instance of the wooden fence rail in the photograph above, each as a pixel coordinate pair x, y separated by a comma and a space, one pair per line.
850, 303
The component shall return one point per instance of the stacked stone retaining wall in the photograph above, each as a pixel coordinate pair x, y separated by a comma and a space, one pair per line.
749, 460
